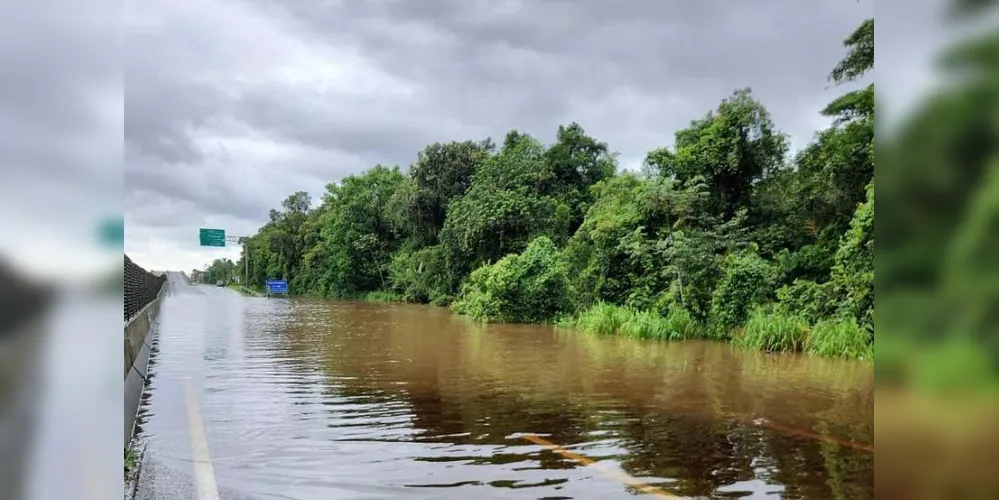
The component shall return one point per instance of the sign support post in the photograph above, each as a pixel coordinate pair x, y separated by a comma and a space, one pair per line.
218, 238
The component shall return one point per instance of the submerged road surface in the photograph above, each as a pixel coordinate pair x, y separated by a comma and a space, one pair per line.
257, 398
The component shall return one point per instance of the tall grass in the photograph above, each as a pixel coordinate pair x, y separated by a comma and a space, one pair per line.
840, 337
644, 325
773, 331
765, 330
602, 319
681, 325
608, 319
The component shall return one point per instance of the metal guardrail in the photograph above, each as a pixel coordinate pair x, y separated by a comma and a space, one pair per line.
141, 288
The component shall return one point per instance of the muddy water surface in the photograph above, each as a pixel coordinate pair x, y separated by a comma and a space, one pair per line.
312, 399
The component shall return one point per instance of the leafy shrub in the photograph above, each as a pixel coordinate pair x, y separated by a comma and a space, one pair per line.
748, 281
853, 272
421, 276
810, 300
600, 267
839, 337
810, 262
773, 331
530, 287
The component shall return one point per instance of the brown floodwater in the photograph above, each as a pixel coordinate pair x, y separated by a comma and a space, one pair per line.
312, 399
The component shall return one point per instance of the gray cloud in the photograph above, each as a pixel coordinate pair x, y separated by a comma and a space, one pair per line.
61, 72
546, 59
232, 105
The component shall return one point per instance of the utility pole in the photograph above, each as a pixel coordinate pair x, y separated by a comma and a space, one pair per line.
243, 240
246, 262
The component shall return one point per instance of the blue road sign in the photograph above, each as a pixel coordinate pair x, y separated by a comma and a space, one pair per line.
277, 286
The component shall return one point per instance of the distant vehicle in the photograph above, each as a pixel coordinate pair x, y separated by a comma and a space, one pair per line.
219, 283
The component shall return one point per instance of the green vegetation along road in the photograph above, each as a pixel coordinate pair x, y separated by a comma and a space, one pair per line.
319, 399
726, 232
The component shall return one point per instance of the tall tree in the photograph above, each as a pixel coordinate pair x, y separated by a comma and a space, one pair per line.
357, 238
505, 207
802, 212
732, 148
441, 174
860, 57
577, 162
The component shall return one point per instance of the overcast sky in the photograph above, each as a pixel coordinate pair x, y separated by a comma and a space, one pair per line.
232, 105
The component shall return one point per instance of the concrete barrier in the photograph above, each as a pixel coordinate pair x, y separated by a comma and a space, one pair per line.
139, 334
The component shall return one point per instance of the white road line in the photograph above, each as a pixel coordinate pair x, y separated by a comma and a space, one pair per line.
204, 473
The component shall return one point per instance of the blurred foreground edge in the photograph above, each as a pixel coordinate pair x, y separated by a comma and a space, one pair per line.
937, 417
23, 310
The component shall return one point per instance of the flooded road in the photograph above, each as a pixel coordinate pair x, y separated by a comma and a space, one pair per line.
307, 399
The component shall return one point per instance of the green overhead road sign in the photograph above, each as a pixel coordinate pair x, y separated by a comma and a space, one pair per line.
212, 237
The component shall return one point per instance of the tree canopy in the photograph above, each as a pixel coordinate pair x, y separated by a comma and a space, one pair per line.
720, 228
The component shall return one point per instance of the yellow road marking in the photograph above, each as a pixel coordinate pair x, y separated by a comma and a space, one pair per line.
204, 473
611, 473
811, 435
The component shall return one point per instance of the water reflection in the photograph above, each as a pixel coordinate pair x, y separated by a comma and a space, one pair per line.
323, 400
700, 419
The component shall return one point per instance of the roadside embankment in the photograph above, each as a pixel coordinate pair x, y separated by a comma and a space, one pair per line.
243, 290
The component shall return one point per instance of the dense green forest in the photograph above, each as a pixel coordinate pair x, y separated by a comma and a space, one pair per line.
723, 235
223, 270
